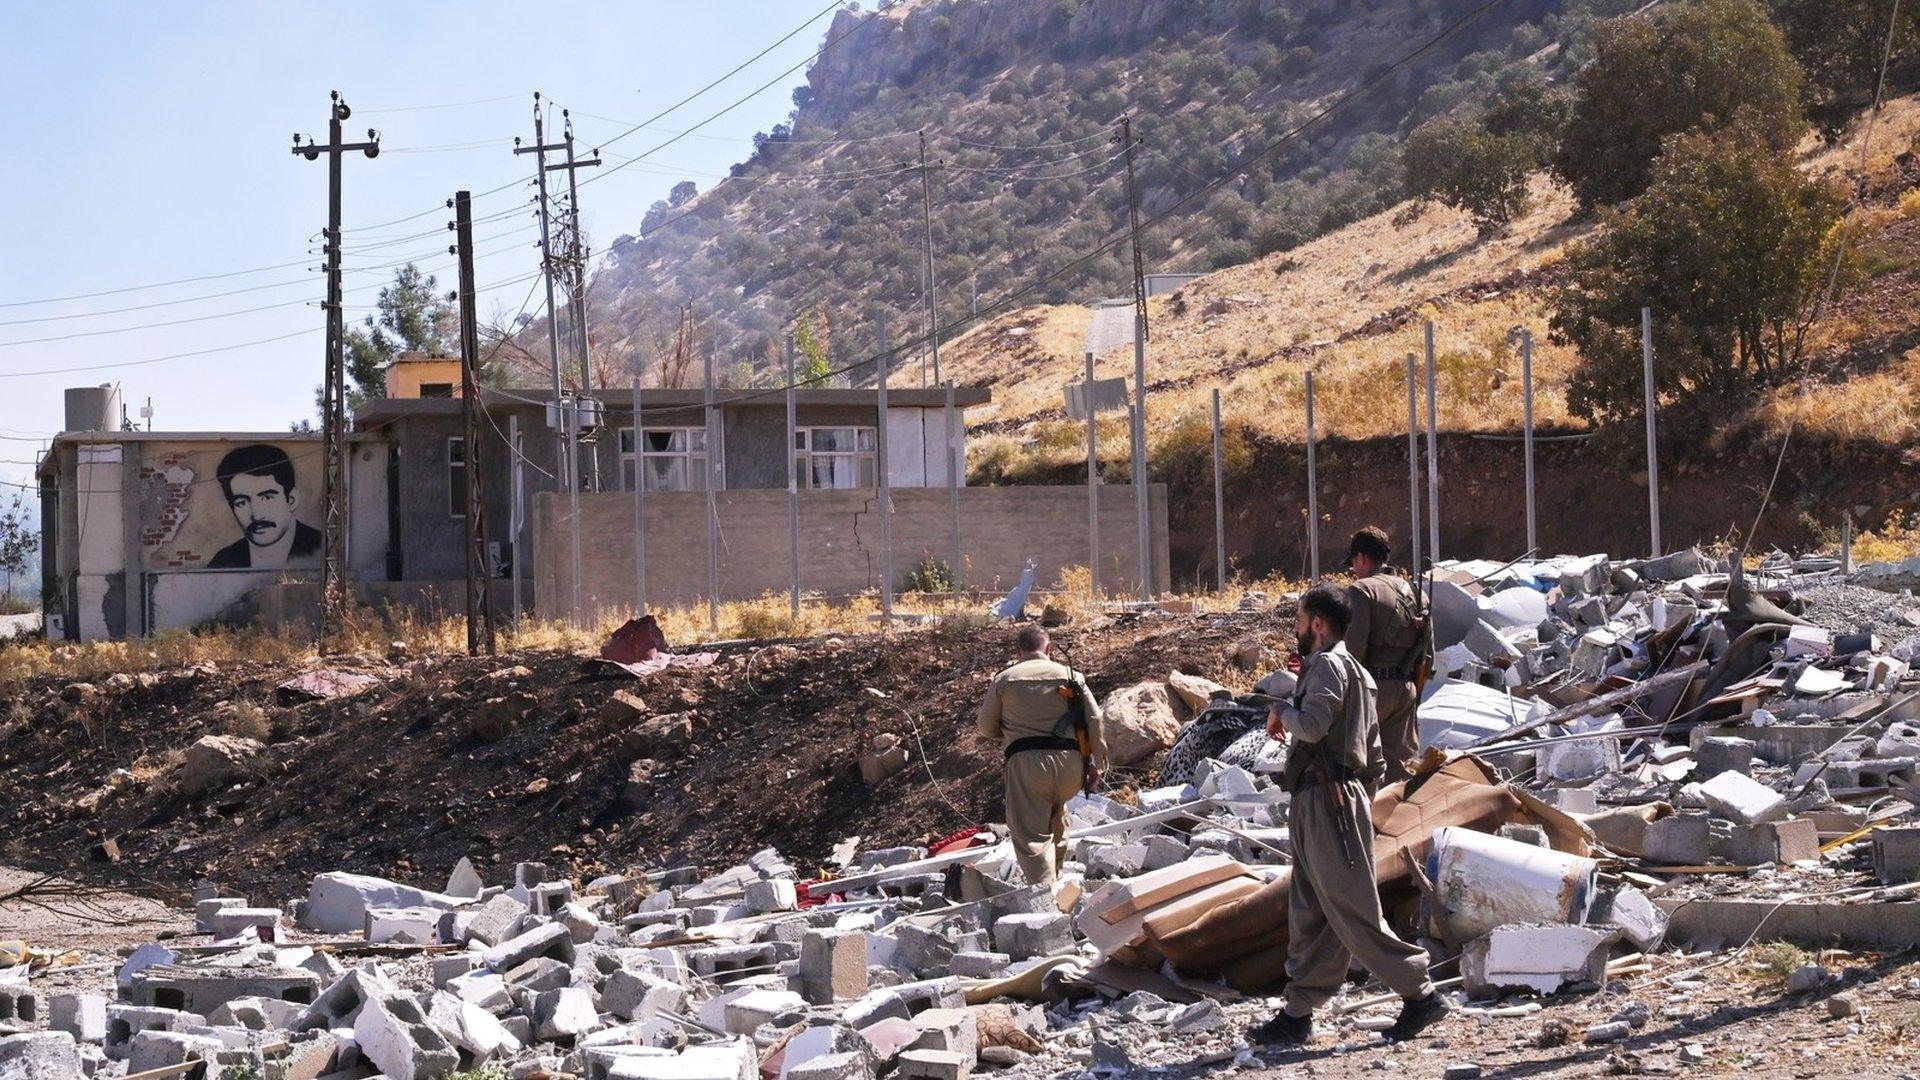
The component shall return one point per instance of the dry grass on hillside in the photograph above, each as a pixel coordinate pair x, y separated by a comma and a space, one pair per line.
1350, 306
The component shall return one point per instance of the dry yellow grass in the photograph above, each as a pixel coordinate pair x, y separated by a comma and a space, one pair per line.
1254, 330
1883, 407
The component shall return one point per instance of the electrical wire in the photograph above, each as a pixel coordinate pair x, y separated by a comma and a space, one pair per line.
447, 105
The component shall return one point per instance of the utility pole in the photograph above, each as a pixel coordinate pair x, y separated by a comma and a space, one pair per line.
639, 502
333, 420
479, 565
577, 271
1140, 487
933, 286
564, 461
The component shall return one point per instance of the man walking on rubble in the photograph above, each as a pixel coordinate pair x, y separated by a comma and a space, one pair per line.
1388, 636
1333, 900
1031, 709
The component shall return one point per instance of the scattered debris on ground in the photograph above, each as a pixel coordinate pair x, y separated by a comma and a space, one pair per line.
1662, 822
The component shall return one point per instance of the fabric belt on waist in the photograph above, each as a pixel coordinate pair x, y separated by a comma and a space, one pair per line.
1335, 772
1040, 742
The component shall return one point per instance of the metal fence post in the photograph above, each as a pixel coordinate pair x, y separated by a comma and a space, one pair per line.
1142, 489
1526, 383
793, 496
517, 515
1433, 452
1653, 437
1413, 460
956, 463
713, 509
1219, 505
639, 503
882, 464
1093, 484
1313, 492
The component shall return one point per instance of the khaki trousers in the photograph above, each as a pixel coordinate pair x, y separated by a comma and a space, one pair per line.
1333, 909
1039, 783
1396, 705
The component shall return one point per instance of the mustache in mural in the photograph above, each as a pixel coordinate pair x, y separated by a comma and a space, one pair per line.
258, 527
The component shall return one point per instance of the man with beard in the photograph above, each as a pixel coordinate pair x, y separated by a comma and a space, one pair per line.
258, 483
1388, 636
1333, 899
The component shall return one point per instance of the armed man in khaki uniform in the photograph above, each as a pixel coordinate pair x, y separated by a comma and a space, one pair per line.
1026, 711
1333, 899
1388, 636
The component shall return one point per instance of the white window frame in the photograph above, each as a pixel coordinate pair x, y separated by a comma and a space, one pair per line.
456, 476
696, 460
865, 458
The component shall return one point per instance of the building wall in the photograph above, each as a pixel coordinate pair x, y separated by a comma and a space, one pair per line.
141, 526
1001, 528
404, 377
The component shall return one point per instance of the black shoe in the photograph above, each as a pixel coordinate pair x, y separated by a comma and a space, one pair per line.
1283, 1030
1417, 1015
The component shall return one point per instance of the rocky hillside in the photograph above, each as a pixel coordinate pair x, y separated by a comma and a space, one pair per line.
1020, 101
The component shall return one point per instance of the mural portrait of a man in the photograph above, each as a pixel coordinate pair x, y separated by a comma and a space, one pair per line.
258, 483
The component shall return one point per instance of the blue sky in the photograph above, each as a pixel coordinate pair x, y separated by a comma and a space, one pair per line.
149, 142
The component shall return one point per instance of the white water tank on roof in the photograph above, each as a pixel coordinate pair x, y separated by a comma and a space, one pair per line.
93, 408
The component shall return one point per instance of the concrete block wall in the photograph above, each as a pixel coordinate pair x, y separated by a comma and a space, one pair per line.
1000, 528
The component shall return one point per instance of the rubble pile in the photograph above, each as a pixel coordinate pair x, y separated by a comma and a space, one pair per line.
1617, 754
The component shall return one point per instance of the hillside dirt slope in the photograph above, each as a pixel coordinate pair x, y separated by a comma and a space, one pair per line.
396, 782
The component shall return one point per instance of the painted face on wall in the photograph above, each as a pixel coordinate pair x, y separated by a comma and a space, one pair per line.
262, 507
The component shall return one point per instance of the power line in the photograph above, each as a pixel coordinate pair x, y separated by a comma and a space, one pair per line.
446, 105
155, 359
821, 51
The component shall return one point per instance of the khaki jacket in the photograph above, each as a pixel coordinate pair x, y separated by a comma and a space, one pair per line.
1024, 701
1333, 709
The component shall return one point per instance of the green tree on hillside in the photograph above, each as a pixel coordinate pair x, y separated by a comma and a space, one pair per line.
1462, 164
1840, 45
1695, 65
1730, 245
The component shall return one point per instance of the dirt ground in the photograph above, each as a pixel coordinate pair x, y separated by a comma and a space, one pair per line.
396, 781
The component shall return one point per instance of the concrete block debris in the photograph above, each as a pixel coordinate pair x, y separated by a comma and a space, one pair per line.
1581, 807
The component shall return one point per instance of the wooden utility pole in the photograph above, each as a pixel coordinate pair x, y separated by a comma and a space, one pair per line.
333, 419
480, 630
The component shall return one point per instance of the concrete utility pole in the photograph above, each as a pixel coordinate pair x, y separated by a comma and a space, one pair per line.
479, 564
1433, 452
1653, 433
565, 462
1413, 460
1093, 483
577, 272
333, 419
933, 285
1313, 491
1141, 488
1219, 505
1526, 384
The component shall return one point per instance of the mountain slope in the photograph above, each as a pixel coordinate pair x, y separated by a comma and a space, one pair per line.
1020, 101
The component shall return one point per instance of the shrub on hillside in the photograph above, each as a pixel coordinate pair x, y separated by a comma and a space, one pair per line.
1731, 247
1695, 65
